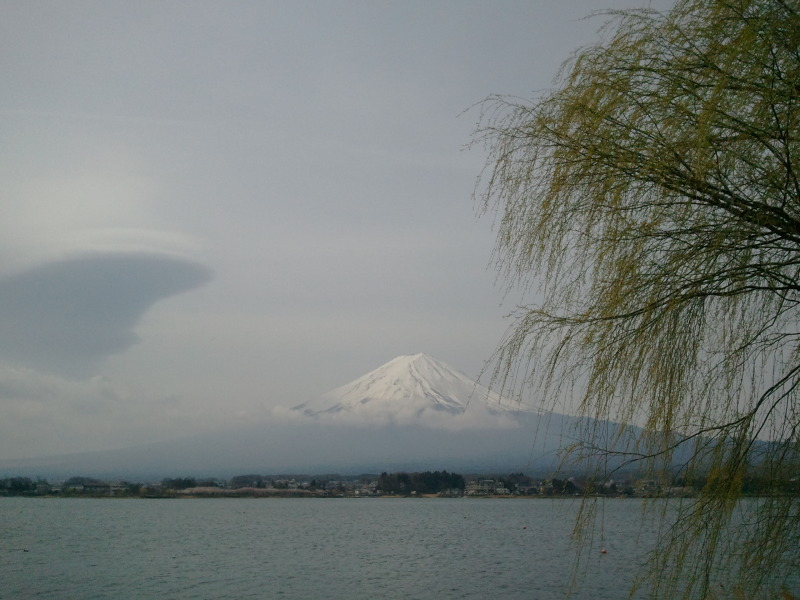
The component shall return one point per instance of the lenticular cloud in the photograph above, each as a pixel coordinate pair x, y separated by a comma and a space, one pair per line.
66, 315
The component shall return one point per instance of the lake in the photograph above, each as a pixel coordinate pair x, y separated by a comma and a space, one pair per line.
312, 548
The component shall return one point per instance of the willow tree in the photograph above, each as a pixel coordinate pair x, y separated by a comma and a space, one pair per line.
650, 204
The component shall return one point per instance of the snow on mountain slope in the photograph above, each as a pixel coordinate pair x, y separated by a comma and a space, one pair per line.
414, 389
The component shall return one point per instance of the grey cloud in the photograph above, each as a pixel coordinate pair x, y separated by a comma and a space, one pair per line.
67, 315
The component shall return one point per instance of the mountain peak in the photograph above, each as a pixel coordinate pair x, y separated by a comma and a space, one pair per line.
413, 388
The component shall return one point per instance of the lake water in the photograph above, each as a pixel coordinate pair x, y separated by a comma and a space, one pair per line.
311, 548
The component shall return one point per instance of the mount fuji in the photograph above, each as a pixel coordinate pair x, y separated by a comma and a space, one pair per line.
412, 413
414, 389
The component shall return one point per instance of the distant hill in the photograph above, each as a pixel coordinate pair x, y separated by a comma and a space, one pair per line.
412, 413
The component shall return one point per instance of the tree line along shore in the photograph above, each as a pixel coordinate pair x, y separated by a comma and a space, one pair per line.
400, 484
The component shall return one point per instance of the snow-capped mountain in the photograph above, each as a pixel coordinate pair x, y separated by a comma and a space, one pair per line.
413, 413
413, 389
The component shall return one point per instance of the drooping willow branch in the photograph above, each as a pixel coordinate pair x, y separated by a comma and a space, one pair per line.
650, 203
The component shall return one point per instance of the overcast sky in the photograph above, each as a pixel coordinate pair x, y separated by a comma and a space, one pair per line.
213, 208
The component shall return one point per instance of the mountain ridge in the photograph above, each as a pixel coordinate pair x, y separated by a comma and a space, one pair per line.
412, 413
